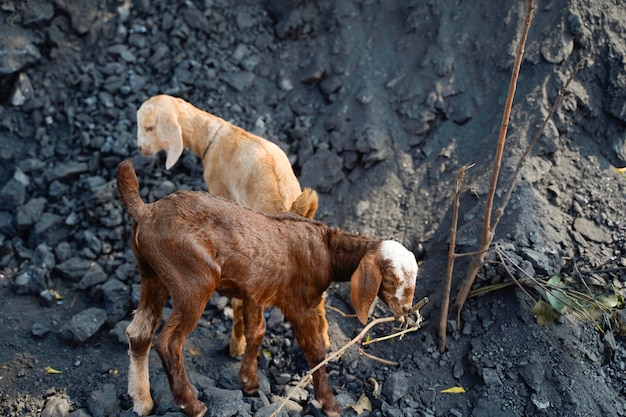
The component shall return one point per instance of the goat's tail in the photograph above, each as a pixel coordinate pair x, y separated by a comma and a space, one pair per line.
306, 204
128, 190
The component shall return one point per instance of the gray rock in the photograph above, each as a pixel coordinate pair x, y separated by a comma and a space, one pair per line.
12, 194
103, 402
396, 386
223, 402
63, 251
539, 261
47, 298
163, 188
75, 268
268, 410
83, 14
592, 231
83, 325
66, 171
239, 81
195, 19
30, 213
43, 256
50, 228
374, 144
162, 394
92, 278
56, 406
39, 12
489, 406
274, 318
7, 225
322, 171
491, 377
39, 330
22, 90
31, 280
557, 47
17, 50
201, 381
119, 331
116, 300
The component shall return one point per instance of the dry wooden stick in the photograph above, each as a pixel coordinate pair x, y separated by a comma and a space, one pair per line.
445, 302
520, 163
487, 233
391, 336
341, 313
331, 357
507, 196
377, 359
512, 185
340, 352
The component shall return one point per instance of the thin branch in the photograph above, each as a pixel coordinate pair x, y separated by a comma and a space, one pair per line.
341, 313
488, 232
464, 254
377, 359
329, 358
391, 336
340, 352
445, 302
521, 287
533, 142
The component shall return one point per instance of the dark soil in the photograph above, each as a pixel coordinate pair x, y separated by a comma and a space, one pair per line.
378, 104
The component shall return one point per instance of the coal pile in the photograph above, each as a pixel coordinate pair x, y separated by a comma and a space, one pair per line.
377, 104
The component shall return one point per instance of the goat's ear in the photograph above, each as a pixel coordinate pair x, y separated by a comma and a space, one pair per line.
365, 283
170, 134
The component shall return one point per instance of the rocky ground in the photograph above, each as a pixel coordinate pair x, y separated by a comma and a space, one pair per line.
378, 104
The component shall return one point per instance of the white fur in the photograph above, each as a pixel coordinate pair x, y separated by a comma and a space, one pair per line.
403, 262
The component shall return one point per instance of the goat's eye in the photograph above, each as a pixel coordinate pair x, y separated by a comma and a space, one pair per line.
388, 281
149, 129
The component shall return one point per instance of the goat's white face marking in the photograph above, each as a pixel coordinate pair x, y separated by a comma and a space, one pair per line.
403, 263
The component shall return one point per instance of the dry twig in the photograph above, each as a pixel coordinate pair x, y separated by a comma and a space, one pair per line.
445, 302
488, 232
340, 352
377, 359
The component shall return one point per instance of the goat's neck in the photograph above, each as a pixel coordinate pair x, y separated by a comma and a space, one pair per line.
199, 129
346, 251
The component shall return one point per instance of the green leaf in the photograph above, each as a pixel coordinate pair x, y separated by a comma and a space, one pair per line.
544, 313
555, 296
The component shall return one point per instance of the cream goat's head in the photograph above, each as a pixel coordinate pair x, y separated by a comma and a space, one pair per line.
399, 275
158, 129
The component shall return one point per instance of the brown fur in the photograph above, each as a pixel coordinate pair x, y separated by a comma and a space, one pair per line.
238, 165
190, 244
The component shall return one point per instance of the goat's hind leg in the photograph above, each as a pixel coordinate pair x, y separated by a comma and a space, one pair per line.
187, 308
140, 333
306, 327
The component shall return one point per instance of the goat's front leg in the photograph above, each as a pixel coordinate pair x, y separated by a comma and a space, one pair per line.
140, 333
255, 330
306, 326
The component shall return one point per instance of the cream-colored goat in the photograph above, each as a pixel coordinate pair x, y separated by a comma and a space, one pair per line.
238, 165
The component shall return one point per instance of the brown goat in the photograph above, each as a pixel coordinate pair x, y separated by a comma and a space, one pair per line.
238, 165
191, 243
